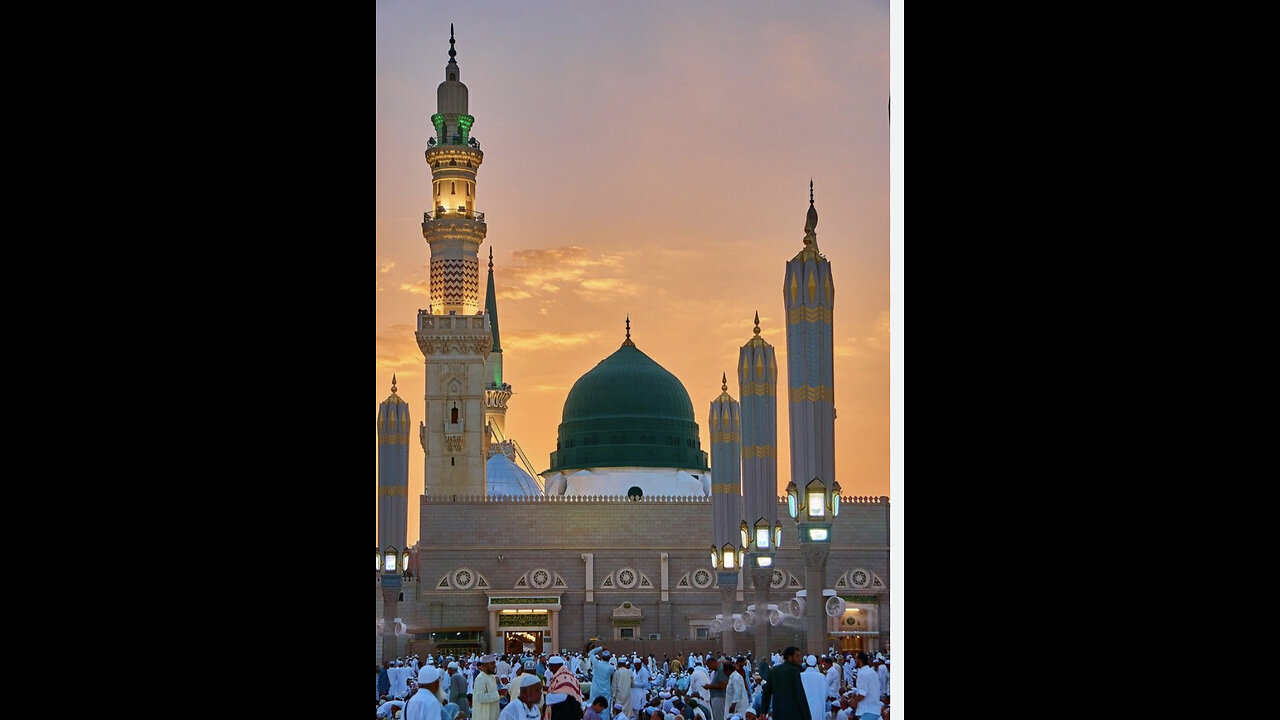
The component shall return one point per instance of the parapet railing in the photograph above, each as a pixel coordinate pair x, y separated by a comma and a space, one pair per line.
429, 215
856, 499
668, 499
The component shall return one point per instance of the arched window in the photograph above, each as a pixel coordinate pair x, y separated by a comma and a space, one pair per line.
453, 414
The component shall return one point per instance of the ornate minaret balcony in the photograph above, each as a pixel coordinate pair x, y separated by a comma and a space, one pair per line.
465, 334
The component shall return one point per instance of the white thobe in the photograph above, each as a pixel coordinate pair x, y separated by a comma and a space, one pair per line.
516, 710
639, 688
736, 692
833, 684
815, 691
622, 689
484, 697
424, 705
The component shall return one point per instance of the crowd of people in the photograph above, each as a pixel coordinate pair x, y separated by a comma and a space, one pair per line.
596, 684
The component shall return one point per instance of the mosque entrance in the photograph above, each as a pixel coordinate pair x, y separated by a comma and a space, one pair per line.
522, 641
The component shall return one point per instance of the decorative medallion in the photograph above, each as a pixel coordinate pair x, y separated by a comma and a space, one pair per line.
463, 578
626, 578
779, 580
859, 578
540, 578
702, 578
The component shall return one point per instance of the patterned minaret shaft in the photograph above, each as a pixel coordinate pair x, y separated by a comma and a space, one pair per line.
808, 294
758, 386
453, 333
496, 392
452, 227
393, 470
393, 498
725, 425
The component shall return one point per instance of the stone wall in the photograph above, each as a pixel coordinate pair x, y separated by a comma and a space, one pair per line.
503, 544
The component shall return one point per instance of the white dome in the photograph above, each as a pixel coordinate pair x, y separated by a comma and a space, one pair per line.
504, 477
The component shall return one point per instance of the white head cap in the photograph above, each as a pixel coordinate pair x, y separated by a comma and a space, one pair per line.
428, 675
811, 661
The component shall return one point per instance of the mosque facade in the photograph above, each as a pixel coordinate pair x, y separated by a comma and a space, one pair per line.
635, 534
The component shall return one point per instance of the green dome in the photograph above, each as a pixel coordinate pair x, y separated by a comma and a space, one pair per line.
628, 411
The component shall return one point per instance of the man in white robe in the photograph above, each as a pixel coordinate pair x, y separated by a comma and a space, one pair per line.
622, 678
525, 692
639, 685
484, 691
425, 703
815, 688
736, 698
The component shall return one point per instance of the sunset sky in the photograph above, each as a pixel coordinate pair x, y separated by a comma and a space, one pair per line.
649, 159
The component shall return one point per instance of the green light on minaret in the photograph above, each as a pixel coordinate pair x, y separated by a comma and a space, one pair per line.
464, 126
438, 121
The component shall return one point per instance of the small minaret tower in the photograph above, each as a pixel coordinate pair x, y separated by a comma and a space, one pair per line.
808, 294
725, 424
393, 498
454, 332
758, 385
496, 392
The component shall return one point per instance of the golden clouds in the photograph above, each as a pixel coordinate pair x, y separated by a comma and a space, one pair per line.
545, 340
387, 267
422, 287
544, 272
397, 349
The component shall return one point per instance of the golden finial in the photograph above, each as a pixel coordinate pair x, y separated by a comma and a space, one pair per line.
757, 329
393, 384
490, 258
627, 342
724, 382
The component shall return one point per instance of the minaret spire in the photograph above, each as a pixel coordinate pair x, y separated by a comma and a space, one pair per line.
810, 219
757, 330
724, 382
393, 384
627, 342
452, 53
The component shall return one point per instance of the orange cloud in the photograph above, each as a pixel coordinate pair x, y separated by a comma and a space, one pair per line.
546, 341
422, 287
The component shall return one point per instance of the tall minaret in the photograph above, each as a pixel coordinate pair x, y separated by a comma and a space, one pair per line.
758, 384
808, 294
496, 392
393, 499
453, 332
725, 424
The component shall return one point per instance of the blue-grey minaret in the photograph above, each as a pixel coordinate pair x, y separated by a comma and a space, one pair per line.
725, 426
393, 502
758, 385
808, 294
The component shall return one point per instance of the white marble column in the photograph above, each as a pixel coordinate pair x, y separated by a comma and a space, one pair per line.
495, 640
555, 631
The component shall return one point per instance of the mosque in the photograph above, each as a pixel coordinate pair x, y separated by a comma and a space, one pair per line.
510, 559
